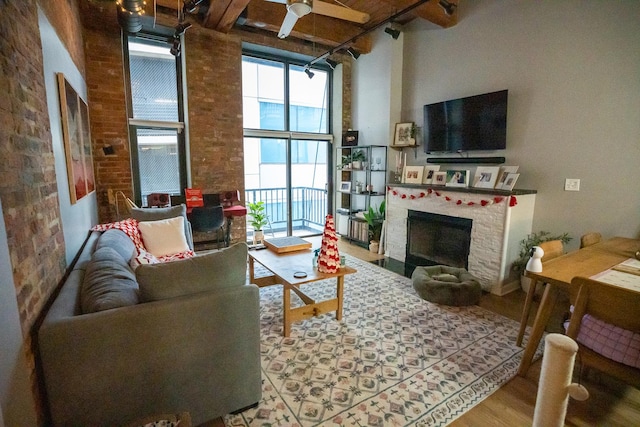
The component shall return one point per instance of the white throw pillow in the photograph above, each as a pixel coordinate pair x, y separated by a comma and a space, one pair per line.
164, 237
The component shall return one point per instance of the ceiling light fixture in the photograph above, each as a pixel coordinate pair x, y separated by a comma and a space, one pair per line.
331, 63
181, 28
367, 31
309, 73
129, 12
176, 48
449, 8
392, 32
354, 53
190, 6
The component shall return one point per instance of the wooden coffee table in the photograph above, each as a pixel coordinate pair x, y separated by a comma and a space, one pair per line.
284, 266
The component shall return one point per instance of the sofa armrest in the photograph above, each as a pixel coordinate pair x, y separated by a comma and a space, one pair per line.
198, 353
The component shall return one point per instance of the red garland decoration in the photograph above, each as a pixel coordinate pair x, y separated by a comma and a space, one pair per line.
512, 199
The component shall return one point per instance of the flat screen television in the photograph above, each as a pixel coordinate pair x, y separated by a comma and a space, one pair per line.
473, 123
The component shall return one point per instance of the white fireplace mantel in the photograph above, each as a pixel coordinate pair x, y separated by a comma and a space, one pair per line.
496, 232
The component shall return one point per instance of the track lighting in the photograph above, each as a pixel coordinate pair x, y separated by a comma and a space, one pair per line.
181, 28
309, 73
190, 6
392, 32
354, 53
176, 48
331, 63
393, 18
449, 8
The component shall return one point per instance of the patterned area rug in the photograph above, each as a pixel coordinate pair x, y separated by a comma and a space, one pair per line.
394, 360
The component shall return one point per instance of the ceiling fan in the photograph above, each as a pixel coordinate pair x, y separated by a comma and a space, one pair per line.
298, 8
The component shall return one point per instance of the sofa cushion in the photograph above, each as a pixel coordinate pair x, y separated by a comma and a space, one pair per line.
108, 282
155, 214
215, 270
118, 240
164, 237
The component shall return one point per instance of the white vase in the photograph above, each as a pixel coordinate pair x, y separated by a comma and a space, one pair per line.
258, 236
374, 246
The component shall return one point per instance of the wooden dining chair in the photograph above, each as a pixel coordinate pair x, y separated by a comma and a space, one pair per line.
613, 305
552, 249
589, 239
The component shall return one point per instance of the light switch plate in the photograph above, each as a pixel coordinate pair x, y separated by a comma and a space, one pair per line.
571, 184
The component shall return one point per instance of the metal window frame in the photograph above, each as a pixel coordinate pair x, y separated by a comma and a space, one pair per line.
159, 34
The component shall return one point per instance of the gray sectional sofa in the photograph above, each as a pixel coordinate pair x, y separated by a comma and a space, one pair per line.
169, 338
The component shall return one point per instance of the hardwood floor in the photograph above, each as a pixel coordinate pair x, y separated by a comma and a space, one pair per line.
611, 402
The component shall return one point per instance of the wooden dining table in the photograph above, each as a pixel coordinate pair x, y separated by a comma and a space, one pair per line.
557, 274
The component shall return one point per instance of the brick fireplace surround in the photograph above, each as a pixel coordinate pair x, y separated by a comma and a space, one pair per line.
496, 231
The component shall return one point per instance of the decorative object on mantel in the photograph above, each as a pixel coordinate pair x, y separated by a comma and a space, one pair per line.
504, 172
439, 178
486, 176
512, 199
510, 182
412, 174
457, 178
428, 175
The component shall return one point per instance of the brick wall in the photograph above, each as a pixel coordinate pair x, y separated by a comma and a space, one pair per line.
214, 87
28, 187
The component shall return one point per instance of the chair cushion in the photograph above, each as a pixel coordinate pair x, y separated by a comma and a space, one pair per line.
155, 214
214, 270
108, 282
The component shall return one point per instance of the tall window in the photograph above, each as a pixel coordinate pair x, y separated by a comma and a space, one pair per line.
286, 145
155, 118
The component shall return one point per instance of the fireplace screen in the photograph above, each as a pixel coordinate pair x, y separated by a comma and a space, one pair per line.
434, 239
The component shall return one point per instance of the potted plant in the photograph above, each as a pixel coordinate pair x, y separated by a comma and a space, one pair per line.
357, 157
534, 239
346, 162
258, 220
375, 218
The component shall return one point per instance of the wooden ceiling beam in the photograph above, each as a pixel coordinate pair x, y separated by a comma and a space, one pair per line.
222, 14
312, 27
430, 11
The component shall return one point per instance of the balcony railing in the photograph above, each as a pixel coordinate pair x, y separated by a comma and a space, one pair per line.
308, 209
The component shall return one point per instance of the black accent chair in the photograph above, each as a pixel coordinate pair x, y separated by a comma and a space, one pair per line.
208, 219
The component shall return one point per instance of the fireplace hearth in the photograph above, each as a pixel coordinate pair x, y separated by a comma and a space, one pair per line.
434, 239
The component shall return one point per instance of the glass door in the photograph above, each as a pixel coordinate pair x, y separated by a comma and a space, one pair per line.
291, 177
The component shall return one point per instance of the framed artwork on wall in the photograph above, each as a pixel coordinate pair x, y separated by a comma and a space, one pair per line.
350, 138
439, 178
486, 177
403, 134
413, 174
429, 172
77, 141
457, 178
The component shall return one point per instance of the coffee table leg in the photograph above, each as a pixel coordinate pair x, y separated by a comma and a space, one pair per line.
286, 315
251, 270
339, 291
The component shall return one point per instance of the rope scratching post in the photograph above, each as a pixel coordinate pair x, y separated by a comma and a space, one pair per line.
554, 387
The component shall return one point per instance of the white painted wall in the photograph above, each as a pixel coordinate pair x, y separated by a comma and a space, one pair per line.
77, 219
572, 70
